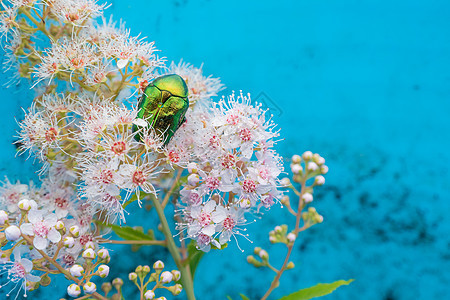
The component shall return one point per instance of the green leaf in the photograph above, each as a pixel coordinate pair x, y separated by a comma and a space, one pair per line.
244, 297
194, 256
229, 298
129, 233
318, 290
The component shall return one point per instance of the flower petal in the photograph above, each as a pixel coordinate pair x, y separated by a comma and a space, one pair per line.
27, 228
40, 243
53, 235
27, 264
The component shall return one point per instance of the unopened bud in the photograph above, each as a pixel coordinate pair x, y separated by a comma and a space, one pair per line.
176, 275
192, 168
285, 181
89, 245
12, 233
324, 169
103, 271
73, 290
285, 200
117, 283
74, 231
319, 180
59, 225
45, 280
3, 217
76, 270
106, 287
278, 229
193, 179
166, 277
89, 287
318, 159
103, 254
263, 254
307, 155
24, 204
291, 237
290, 265
296, 169
149, 295
158, 265
307, 197
145, 270
257, 250
69, 241
176, 289
296, 159
89, 253
312, 166
132, 276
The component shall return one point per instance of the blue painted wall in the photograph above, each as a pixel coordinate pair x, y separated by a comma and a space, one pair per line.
364, 83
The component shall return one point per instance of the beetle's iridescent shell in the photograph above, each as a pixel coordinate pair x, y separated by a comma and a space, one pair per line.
164, 104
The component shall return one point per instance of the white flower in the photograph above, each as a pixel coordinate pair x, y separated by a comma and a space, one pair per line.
42, 226
12, 233
18, 271
200, 87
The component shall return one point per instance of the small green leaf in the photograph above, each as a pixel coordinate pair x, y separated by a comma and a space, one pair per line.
129, 233
318, 290
244, 297
229, 298
194, 256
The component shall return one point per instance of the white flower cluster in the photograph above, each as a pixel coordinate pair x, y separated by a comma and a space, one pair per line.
234, 168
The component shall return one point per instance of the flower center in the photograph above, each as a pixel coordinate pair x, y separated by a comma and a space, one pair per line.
68, 260
174, 157
204, 219
233, 119
249, 186
264, 173
245, 135
106, 176
214, 142
228, 160
119, 147
203, 239
212, 183
61, 203
51, 134
138, 178
229, 223
17, 271
195, 198
40, 229
85, 238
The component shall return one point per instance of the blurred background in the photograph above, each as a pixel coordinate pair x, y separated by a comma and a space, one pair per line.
364, 83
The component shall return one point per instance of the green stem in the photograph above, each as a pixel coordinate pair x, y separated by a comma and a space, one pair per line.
186, 278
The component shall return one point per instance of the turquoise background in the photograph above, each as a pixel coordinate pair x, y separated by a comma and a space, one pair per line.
364, 83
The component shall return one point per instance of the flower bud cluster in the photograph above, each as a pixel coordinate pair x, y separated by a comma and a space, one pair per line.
159, 277
95, 264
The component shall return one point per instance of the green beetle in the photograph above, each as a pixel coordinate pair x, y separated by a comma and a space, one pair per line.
163, 105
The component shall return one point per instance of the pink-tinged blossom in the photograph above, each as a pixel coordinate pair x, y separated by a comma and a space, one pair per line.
18, 272
42, 226
200, 86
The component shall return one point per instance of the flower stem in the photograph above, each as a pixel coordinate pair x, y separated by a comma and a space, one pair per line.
186, 278
276, 281
60, 268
